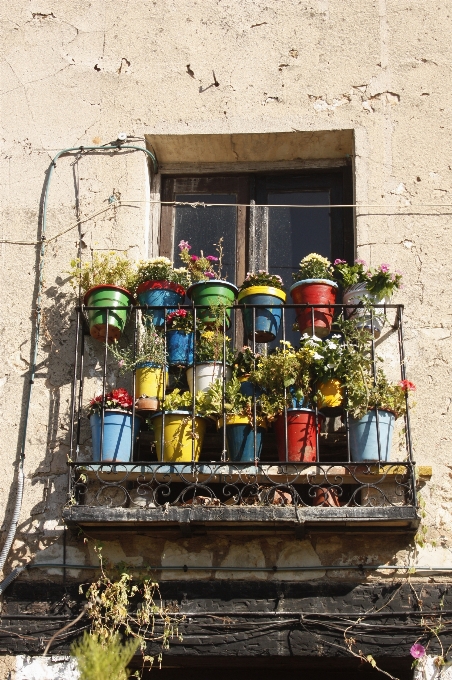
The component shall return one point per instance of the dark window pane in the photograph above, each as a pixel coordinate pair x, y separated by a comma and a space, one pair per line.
293, 233
203, 228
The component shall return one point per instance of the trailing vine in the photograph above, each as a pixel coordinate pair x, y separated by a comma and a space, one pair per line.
123, 608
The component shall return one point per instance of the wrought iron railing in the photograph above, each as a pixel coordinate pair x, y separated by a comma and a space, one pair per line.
330, 479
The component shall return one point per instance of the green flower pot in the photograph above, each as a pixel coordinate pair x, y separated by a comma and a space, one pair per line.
109, 296
212, 294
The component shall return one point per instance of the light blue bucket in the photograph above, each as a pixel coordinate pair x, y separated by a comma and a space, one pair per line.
363, 437
117, 443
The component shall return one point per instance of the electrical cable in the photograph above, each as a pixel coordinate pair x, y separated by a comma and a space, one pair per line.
274, 569
197, 204
32, 371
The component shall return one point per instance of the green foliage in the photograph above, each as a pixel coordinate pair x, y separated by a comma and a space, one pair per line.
121, 607
235, 403
262, 278
180, 320
245, 362
280, 370
183, 401
355, 370
100, 659
200, 267
211, 343
379, 280
160, 269
314, 266
104, 268
150, 348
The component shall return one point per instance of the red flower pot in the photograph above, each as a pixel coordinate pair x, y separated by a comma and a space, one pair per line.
301, 435
327, 496
314, 292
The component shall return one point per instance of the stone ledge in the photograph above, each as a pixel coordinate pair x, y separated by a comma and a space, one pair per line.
359, 518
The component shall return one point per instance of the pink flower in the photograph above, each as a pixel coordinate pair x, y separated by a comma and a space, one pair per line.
407, 385
194, 258
210, 275
121, 363
339, 262
417, 651
212, 258
184, 245
384, 268
363, 262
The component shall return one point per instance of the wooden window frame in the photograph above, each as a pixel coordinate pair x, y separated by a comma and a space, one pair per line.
251, 244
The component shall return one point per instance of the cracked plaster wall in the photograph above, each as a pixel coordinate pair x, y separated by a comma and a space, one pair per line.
78, 72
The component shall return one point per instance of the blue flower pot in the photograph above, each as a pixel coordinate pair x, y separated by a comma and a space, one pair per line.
240, 439
301, 402
249, 389
267, 318
180, 347
160, 294
117, 444
363, 437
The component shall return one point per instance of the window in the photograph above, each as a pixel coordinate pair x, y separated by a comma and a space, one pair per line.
275, 237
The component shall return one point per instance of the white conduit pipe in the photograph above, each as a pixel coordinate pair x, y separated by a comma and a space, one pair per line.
15, 519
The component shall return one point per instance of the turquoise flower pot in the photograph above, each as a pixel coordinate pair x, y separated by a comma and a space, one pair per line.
117, 443
180, 347
363, 437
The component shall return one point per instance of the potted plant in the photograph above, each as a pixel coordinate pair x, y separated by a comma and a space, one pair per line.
180, 337
148, 360
158, 284
328, 369
179, 432
372, 416
365, 286
245, 362
116, 444
105, 282
213, 356
262, 288
239, 420
314, 286
373, 402
208, 289
286, 378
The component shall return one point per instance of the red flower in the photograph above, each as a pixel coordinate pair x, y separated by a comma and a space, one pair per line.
407, 385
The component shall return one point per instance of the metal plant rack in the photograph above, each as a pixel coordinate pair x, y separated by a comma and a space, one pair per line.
214, 492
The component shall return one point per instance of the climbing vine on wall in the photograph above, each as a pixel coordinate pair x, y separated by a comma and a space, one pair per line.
128, 608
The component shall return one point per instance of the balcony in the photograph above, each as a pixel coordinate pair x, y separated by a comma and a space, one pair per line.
328, 490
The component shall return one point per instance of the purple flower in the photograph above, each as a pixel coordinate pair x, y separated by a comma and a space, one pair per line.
417, 651
363, 262
384, 268
184, 245
212, 258
339, 262
210, 275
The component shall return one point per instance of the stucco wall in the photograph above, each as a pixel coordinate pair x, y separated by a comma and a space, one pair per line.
79, 72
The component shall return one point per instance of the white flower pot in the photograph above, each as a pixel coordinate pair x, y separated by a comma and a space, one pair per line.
206, 374
354, 295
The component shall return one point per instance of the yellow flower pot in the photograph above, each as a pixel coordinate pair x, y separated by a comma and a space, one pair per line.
149, 381
332, 393
178, 436
233, 419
